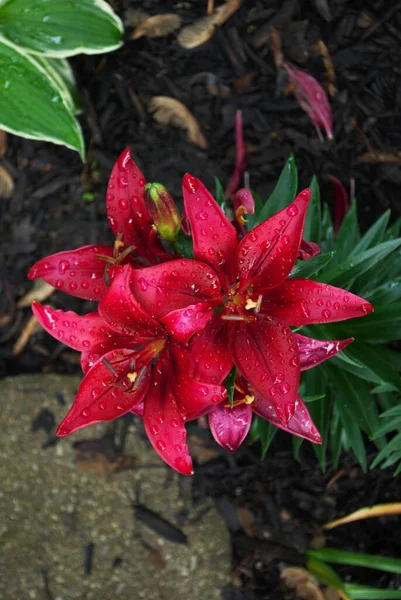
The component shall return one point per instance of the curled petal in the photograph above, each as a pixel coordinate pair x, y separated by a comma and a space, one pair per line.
123, 313
174, 285
82, 333
341, 201
313, 352
183, 323
107, 391
76, 272
240, 157
230, 426
308, 250
210, 358
164, 425
139, 409
312, 99
214, 237
266, 255
266, 355
126, 210
300, 423
299, 302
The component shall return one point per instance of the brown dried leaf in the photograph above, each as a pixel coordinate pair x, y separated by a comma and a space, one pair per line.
225, 11
197, 33
39, 292
99, 463
202, 30
31, 327
157, 26
3, 143
380, 157
169, 111
305, 585
6, 183
247, 520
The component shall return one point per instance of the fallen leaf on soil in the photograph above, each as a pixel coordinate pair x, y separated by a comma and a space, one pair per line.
305, 585
380, 510
380, 157
157, 26
31, 327
247, 520
98, 462
169, 111
6, 183
202, 30
3, 143
275, 44
321, 50
40, 291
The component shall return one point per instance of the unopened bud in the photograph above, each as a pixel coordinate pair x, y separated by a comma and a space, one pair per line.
162, 210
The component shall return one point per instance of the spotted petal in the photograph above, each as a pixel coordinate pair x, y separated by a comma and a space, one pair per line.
165, 426
183, 323
82, 333
174, 285
299, 302
266, 354
266, 255
313, 352
214, 237
230, 426
77, 272
126, 210
300, 424
106, 392
124, 314
210, 358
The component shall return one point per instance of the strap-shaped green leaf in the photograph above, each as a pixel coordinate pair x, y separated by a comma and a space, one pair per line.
61, 27
311, 267
313, 221
284, 192
31, 104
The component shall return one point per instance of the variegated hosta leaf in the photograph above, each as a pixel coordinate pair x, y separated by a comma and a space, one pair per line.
61, 27
60, 71
31, 104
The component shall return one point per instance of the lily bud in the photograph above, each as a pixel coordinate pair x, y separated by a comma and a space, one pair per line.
162, 210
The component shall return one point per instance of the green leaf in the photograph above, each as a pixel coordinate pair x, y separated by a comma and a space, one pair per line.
323, 572
393, 231
184, 245
230, 385
316, 385
61, 27
383, 325
313, 221
327, 230
386, 293
264, 431
348, 235
284, 192
374, 359
393, 445
252, 220
307, 268
65, 86
357, 559
361, 592
31, 105
344, 274
219, 193
374, 234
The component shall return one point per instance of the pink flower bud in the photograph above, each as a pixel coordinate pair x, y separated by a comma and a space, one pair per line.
162, 211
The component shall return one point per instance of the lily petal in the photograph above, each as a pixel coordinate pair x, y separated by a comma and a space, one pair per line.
299, 302
126, 210
230, 426
313, 352
76, 272
300, 424
183, 323
266, 255
214, 237
196, 398
266, 354
165, 426
210, 358
308, 250
124, 314
104, 395
173, 285
82, 333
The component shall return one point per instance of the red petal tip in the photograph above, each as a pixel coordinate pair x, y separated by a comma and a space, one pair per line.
191, 183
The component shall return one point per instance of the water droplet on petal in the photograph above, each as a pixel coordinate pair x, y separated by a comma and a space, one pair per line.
292, 210
154, 430
63, 266
160, 445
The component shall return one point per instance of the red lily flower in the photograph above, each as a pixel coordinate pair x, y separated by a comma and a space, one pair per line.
230, 424
135, 363
85, 272
258, 303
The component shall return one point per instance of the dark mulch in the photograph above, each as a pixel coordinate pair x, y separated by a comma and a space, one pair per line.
59, 204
